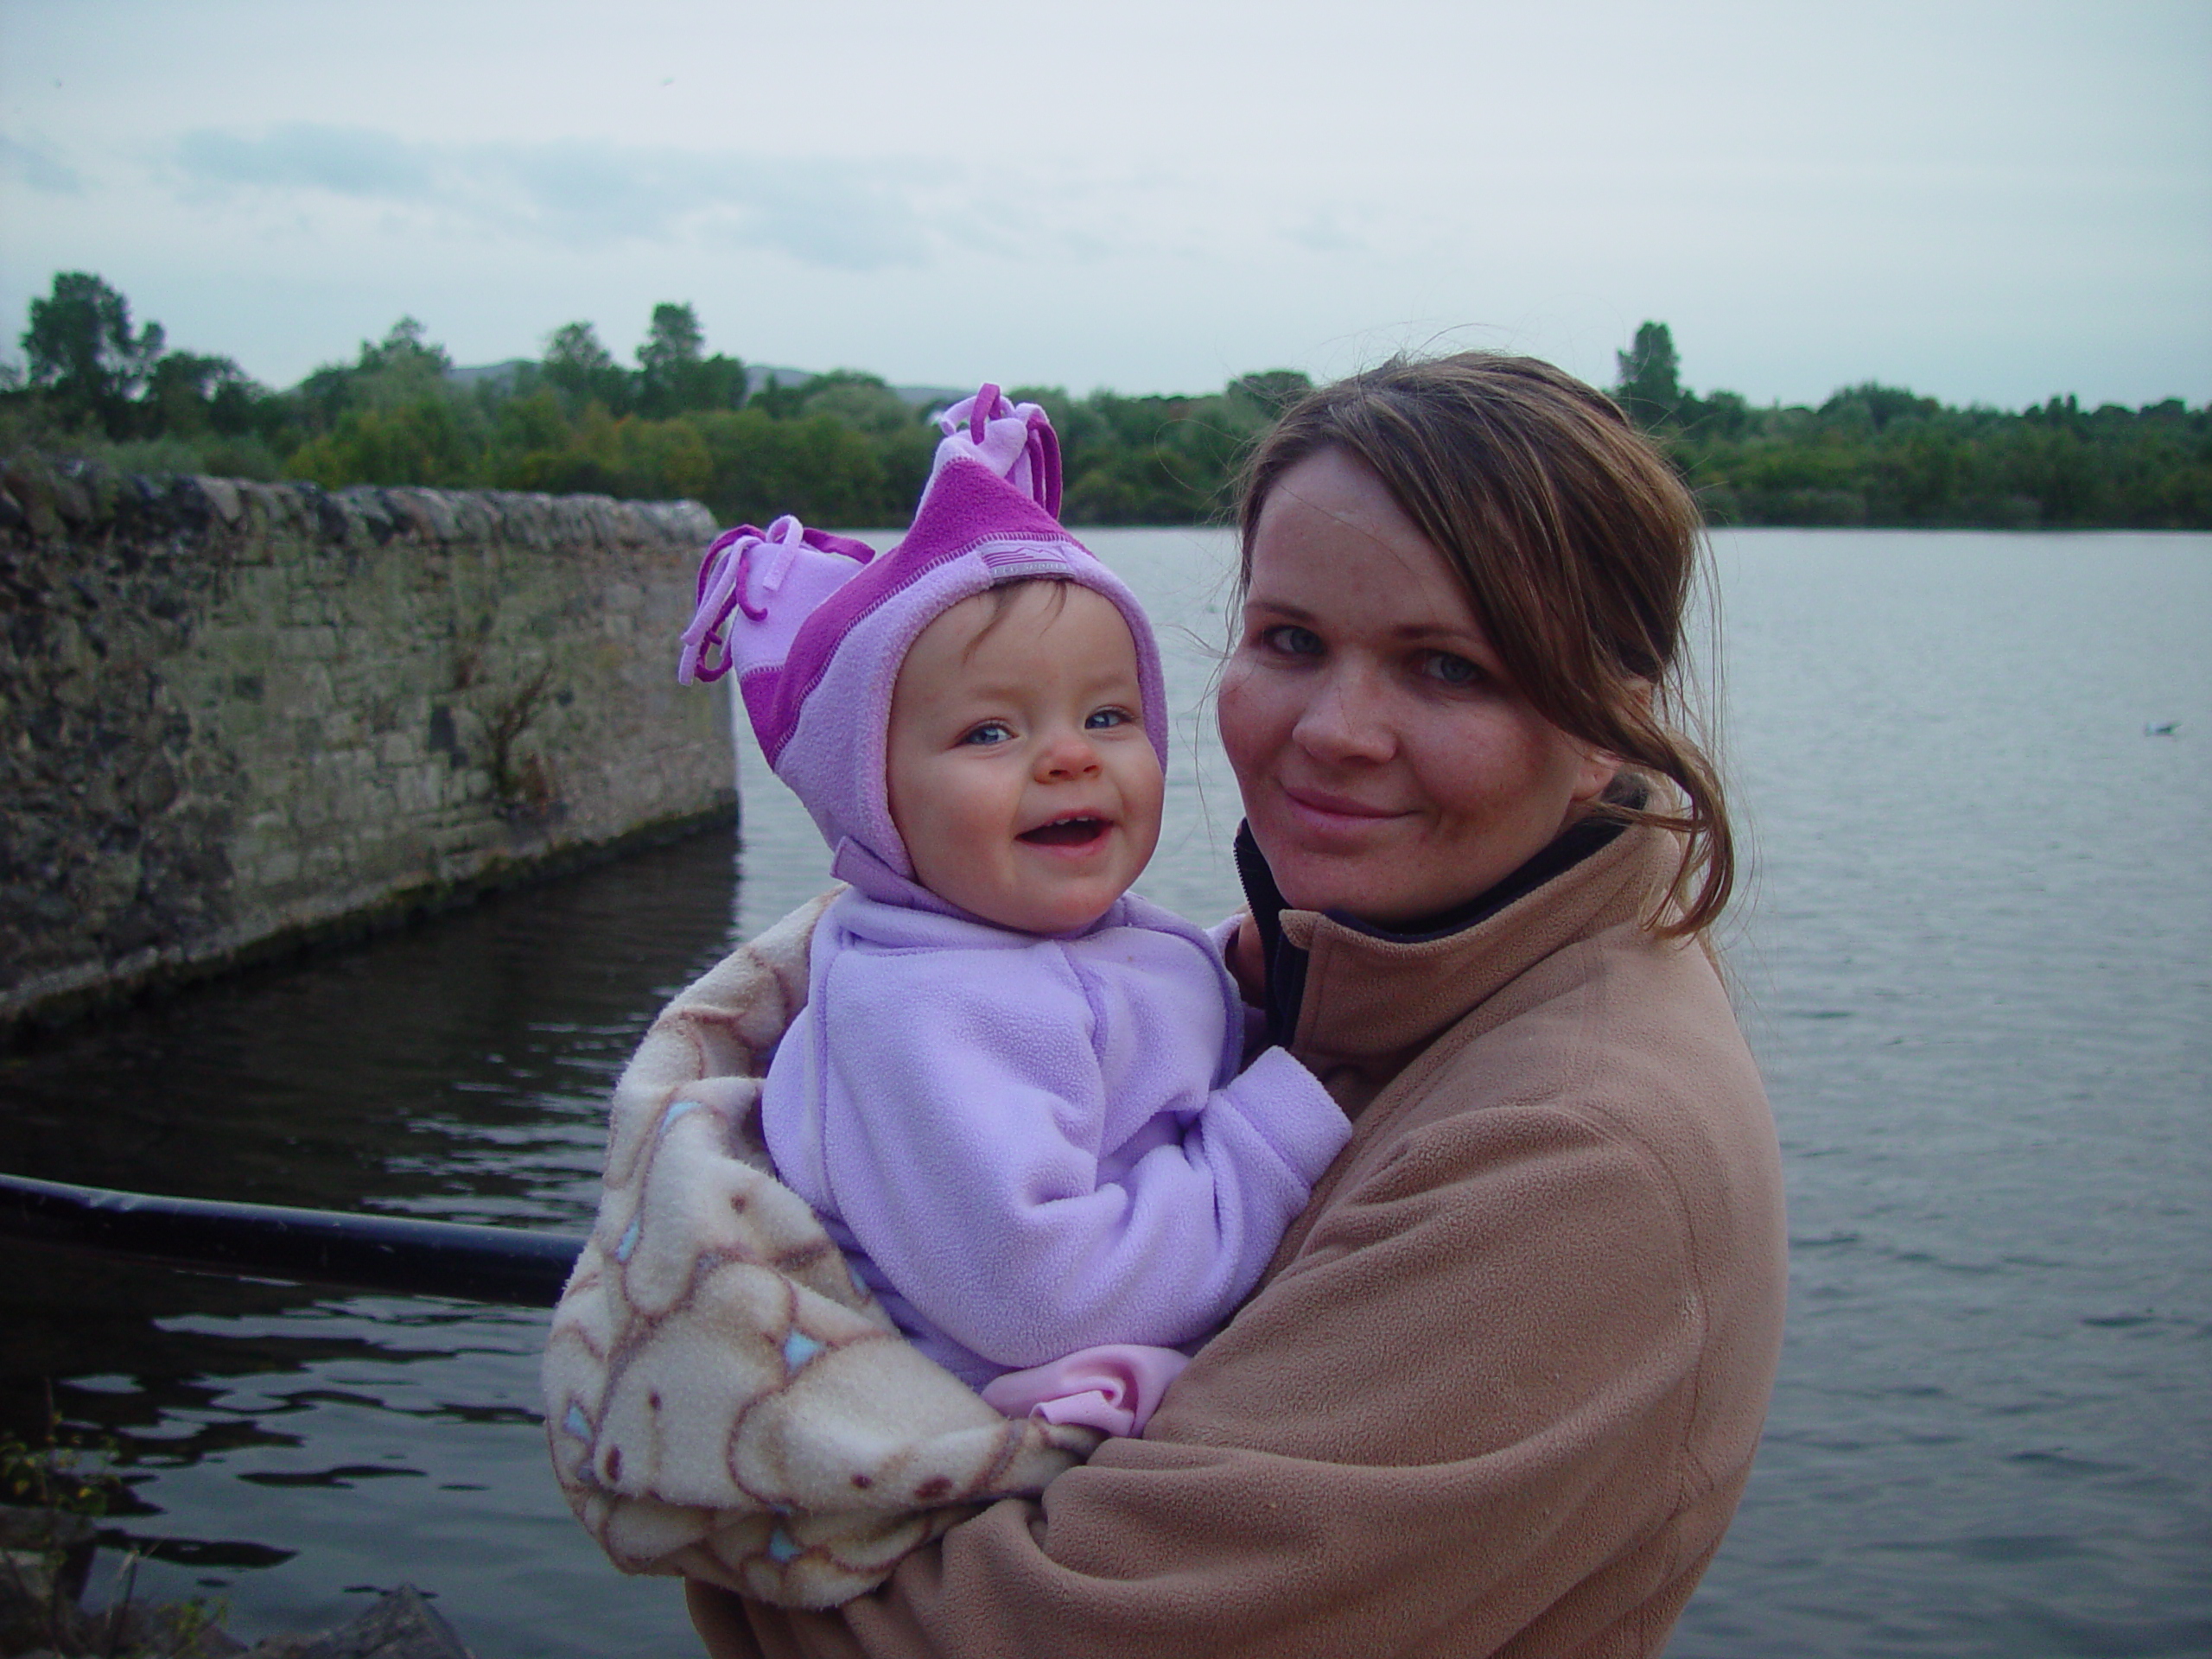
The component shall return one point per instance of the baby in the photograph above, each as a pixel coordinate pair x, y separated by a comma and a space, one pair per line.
1014, 1093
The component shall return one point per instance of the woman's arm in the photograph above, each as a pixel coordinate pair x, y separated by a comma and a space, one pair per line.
1503, 1398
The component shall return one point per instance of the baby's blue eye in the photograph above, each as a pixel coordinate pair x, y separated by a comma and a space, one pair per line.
991, 731
1102, 719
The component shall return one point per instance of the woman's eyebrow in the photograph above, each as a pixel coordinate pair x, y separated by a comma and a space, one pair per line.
1440, 632
1424, 631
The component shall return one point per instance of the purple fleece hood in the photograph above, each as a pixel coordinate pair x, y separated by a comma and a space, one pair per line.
816, 626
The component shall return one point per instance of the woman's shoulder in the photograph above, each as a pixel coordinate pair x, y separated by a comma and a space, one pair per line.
1589, 1187
1624, 1041
1606, 1141
1609, 1079
1621, 1008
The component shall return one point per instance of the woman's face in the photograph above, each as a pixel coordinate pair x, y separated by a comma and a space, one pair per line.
1389, 768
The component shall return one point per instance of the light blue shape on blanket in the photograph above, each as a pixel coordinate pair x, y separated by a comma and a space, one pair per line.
577, 1423
781, 1546
798, 1348
681, 1110
629, 1238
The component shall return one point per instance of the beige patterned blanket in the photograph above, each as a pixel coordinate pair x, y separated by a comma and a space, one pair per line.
723, 1400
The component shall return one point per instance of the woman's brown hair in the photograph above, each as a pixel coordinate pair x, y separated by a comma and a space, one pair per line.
1579, 549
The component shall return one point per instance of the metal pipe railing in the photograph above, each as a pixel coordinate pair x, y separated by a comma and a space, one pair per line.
320, 1247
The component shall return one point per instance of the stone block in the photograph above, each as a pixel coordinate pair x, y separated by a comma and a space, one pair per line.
277, 869
400, 1625
223, 495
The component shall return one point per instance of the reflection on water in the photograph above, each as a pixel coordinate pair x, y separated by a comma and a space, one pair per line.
458, 1069
1978, 972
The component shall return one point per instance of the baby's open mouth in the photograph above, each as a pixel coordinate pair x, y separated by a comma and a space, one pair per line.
1066, 832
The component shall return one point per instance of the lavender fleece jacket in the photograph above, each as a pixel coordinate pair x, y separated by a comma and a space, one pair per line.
1035, 1145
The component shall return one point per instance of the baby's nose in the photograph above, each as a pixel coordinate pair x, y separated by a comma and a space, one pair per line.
1067, 754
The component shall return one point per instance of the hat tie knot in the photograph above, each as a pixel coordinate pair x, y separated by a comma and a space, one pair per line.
742, 570
1015, 441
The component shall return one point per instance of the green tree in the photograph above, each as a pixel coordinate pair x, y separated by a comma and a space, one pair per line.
861, 401
814, 465
1651, 376
425, 442
1876, 405
401, 368
1273, 389
674, 373
583, 371
80, 351
187, 394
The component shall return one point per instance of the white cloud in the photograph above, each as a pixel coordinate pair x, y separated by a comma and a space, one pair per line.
819, 211
40, 167
843, 214
345, 161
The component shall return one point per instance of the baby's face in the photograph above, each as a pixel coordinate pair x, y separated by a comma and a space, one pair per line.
1021, 778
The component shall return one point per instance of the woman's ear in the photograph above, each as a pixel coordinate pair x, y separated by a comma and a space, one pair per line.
1600, 767
1595, 775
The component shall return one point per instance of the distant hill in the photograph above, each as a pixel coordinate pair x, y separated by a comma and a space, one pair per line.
501, 377
759, 375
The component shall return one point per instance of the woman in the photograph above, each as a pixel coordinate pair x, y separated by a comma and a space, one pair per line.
1500, 1388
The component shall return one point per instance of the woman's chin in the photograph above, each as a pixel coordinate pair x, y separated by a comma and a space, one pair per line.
1313, 878
1387, 883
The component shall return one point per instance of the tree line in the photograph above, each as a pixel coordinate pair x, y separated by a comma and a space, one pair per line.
837, 448
1884, 456
846, 449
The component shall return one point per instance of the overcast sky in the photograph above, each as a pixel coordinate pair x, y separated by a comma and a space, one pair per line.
1989, 202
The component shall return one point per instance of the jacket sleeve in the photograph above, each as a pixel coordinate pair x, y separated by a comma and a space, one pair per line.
961, 1144
1455, 1422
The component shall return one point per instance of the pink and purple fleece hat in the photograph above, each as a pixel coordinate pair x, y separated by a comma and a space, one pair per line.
816, 626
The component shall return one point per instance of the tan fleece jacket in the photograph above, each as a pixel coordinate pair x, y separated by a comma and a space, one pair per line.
1500, 1389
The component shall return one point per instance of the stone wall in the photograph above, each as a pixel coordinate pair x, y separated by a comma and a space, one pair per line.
235, 715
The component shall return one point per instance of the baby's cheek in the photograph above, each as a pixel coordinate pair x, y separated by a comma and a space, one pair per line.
1150, 791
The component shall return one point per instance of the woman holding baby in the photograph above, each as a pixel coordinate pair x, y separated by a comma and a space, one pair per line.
1499, 1387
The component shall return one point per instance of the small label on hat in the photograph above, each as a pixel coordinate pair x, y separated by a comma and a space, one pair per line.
1008, 563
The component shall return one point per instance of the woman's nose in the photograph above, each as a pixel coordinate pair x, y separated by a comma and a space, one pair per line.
1345, 718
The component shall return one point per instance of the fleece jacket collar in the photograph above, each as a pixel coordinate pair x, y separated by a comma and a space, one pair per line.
1355, 1004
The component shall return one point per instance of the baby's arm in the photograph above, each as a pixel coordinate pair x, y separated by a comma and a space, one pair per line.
963, 1145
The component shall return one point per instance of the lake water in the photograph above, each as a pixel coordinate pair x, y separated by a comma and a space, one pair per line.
1976, 965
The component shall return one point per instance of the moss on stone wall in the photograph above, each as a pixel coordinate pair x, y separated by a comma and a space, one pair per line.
239, 714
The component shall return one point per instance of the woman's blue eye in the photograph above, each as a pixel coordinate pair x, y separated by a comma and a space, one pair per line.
1452, 670
991, 731
1100, 719
1293, 641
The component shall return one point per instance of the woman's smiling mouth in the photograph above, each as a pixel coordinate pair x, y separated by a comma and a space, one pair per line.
1320, 804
